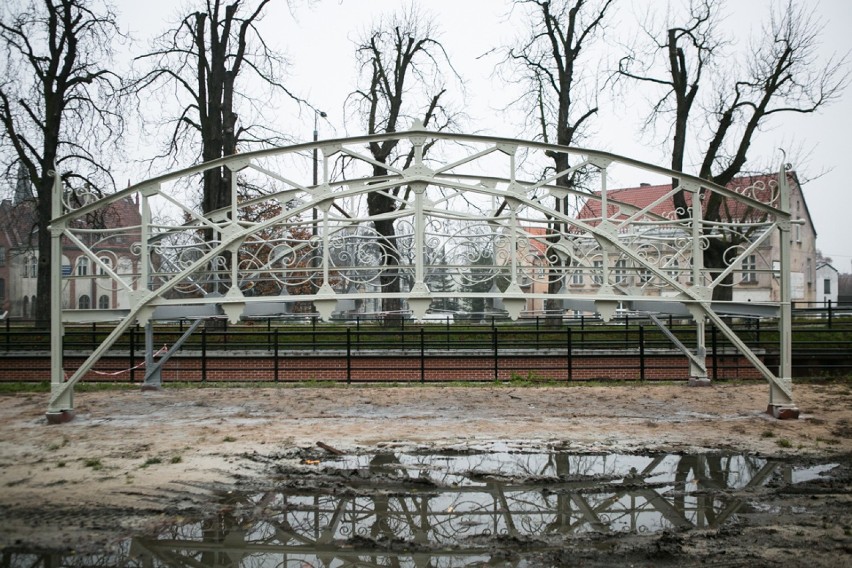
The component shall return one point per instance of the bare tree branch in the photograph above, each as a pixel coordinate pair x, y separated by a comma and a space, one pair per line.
783, 74
59, 104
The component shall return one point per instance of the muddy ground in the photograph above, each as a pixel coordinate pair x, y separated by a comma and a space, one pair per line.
133, 463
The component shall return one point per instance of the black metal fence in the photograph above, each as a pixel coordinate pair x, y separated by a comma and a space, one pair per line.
576, 348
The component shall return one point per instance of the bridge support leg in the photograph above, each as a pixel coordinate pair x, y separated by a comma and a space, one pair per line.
153, 380
698, 365
61, 407
781, 406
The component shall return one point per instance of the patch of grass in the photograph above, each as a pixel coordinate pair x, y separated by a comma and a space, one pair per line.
60, 464
57, 445
531, 378
152, 461
767, 434
316, 384
93, 463
100, 386
8, 388
176, 459
229, 439
784, 443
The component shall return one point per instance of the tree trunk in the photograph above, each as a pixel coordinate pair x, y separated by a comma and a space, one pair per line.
44, 208
389, 280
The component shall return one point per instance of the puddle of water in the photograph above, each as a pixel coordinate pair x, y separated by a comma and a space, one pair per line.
452, 509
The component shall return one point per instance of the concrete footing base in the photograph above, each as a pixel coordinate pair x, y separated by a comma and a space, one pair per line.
699, 382
60, 417
151, 388
783, 412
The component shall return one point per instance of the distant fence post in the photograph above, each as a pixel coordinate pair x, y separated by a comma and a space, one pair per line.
422, 356
275, 342
132, 349
569, 354
642, 353
714, 347
348, 355
203, 355
494, 347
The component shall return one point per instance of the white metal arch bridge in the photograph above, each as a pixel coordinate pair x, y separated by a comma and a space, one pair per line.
463, 226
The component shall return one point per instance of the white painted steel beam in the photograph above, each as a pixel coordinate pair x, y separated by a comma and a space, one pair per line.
464, 223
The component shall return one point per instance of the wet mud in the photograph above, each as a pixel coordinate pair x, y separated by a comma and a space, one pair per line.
499, 506
642, 475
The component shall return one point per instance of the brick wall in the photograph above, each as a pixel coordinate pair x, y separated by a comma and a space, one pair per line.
385, 367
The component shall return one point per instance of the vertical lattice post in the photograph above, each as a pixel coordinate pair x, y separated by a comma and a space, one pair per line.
698, 365
780, 402
61, 406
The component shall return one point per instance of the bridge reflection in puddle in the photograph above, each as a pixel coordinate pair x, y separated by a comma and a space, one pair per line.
460, 509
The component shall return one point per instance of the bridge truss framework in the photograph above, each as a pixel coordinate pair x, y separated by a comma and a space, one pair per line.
470, 225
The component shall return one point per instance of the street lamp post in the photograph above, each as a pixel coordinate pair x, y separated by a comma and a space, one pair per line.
317, 115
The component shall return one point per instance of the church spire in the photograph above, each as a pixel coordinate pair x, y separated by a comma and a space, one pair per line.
23, 187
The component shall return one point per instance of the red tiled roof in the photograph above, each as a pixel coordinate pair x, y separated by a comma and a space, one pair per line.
537, 244
18, 220
758, 187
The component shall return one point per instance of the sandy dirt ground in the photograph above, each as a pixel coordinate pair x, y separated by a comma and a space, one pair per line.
131, 461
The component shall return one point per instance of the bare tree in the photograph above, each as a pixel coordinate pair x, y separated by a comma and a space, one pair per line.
209, 60
558, 97
404, 76
722, 107
58, 106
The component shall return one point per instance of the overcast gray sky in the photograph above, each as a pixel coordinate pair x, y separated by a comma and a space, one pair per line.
319, 39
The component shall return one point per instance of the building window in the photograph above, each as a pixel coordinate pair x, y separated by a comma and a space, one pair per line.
103, 302
31, 267
749, 269
673, 269
621, 272
106, 260
26, 308
82, 266
84, 303
645, 275
2, 256
826, 286
577, 278
597, 272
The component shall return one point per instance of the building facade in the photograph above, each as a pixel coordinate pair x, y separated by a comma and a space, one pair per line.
827, 280
85, 284
755, 276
